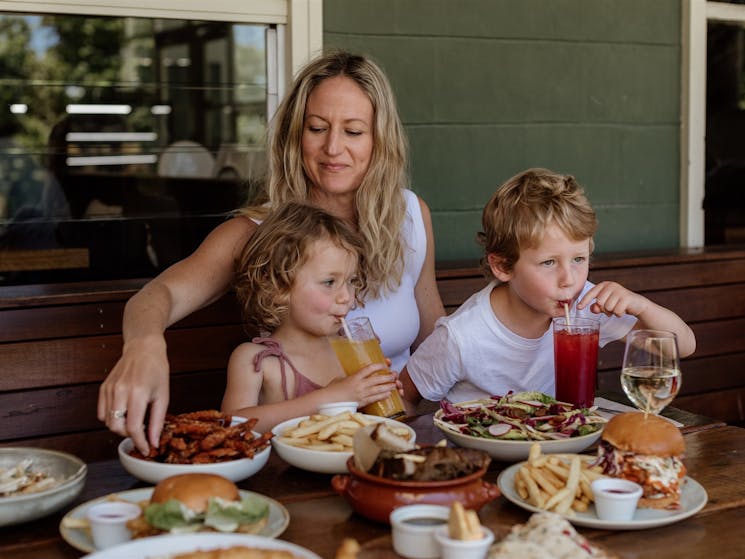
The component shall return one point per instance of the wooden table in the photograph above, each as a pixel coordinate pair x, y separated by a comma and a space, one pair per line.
320, 519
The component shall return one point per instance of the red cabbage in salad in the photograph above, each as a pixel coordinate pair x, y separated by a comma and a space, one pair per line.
520, 416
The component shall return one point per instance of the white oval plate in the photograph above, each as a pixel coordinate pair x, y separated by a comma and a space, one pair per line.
163, 546
320, 461
511, 451
80, 538
693, 498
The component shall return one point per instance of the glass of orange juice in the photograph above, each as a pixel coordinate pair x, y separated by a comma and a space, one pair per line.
357, 346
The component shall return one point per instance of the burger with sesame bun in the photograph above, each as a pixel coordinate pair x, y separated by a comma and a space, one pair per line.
648, 450
199, 502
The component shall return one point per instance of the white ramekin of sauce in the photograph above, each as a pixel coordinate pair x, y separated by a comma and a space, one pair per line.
615, 498
413, 530
108, 522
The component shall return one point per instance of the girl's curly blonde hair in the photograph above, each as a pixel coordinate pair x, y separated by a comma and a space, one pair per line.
266, 269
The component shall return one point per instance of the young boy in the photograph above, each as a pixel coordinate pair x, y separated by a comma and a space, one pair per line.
537, 237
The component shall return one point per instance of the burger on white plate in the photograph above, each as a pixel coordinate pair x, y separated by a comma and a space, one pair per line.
199, 502
647, 450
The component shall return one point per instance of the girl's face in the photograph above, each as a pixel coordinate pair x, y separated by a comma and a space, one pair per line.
550, 274
323, 291
337, 140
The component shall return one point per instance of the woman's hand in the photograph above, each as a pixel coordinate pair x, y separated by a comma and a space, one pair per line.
138, 380
366, 386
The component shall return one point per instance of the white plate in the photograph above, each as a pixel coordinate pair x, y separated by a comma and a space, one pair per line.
161, 546
511, 451
152, 472
80, 538
320, 461
693, 498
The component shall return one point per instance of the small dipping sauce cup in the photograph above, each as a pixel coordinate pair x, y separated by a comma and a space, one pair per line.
615, 499
335, 408
413, 530
108, 522
463, 549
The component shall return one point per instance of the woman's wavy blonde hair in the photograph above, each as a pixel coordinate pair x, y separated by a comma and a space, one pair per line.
521, 209
266, 270
379, 202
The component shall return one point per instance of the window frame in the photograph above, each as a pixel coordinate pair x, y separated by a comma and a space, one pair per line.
696, 15
300, 22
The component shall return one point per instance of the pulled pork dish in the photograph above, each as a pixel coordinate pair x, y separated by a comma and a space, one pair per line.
432, 463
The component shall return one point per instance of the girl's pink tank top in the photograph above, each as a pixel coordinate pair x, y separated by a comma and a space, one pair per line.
303, 384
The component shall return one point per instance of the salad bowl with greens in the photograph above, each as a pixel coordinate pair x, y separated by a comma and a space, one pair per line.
506, 426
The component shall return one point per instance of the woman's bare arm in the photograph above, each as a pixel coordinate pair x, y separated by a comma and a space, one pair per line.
428, 299
140, 378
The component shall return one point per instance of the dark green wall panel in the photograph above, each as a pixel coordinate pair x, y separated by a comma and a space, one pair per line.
624, 21
487, 88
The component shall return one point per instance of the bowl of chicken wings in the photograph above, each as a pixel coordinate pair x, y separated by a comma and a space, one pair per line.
204, 441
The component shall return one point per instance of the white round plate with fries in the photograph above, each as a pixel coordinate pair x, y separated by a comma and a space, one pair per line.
323, 443
512, 451
74, 526
152, 472
560, 483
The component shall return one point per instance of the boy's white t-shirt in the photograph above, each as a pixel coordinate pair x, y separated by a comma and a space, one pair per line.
471, 354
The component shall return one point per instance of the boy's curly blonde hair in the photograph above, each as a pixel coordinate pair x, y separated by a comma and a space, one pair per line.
522, 208
266, 270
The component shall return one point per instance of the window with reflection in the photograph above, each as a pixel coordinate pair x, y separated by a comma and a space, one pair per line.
123, 141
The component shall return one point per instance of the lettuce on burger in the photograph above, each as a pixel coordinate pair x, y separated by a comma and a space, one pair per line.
647, 450
200, 502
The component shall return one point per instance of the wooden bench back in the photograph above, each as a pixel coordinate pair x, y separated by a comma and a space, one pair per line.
56, 347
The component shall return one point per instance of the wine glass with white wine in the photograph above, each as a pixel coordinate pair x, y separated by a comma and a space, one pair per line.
651, 369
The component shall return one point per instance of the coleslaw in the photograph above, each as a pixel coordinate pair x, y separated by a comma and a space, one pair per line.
520, 416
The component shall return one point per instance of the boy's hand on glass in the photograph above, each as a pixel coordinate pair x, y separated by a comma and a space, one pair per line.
611, 298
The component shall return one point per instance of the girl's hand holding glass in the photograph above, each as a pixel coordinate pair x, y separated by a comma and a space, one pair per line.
370, 384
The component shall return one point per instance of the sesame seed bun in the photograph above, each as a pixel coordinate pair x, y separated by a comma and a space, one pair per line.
650, 435
195, 490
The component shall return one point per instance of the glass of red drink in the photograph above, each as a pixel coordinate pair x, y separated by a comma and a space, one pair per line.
576, 359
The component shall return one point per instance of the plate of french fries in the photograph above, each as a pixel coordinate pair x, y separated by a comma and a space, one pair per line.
560, 483
323, 443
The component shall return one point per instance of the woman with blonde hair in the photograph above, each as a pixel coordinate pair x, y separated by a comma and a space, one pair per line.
336, 142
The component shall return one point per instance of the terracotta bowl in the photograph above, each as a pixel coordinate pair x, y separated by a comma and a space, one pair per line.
376, 497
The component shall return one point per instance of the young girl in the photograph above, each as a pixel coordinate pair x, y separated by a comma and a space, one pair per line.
298, 276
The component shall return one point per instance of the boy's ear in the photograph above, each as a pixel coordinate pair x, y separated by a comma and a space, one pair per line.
498, 267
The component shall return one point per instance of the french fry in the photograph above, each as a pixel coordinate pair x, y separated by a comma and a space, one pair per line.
534, 495
546, 484
463, 524
318, 425
344, 440
557, 482
328, 431
565, 505
558, 498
